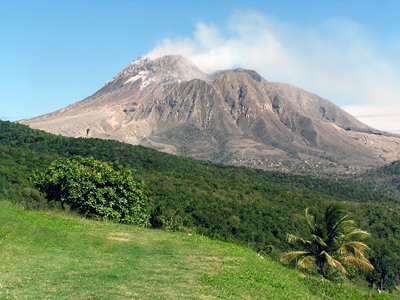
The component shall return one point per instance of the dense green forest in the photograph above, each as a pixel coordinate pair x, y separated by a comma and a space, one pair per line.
385, 179
241, 205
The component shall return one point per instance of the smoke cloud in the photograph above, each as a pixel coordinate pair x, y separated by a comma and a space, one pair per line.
339, 60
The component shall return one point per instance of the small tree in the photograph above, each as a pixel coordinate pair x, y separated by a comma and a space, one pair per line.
334, 242
95, 189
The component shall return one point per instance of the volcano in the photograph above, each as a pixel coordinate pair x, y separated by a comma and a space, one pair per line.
233, 117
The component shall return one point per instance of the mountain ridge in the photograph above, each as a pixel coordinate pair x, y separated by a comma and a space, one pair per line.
230, 116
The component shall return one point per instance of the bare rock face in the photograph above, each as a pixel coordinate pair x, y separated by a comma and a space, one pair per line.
233, 117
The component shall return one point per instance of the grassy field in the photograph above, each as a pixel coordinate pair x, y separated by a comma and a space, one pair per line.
54, 255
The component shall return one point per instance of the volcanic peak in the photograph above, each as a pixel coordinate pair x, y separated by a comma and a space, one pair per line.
141, 59
233, 116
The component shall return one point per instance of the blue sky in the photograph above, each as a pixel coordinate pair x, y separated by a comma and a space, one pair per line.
53, 53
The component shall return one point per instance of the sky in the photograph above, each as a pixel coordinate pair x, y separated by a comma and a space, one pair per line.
53, 53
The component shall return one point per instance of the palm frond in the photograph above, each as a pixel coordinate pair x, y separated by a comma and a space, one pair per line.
356, 234
341, 222
311, 221
360, 263
333, 262
355, 248
347, 221
289, 256
292, 239
333, 213
319, 240
307, 262
343, 226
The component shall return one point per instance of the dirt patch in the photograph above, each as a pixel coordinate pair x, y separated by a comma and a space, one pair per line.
118, 236
118, 239
219, 259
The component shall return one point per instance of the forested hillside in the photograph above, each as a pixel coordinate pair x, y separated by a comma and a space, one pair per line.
236, 204
384, 179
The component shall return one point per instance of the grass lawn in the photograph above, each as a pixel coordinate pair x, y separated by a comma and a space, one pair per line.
55, 255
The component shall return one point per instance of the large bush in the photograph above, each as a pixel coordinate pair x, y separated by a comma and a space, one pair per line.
95, 189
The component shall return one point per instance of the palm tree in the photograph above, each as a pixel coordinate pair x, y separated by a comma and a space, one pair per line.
334, 242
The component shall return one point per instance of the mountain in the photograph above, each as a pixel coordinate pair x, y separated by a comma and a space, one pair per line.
234, 117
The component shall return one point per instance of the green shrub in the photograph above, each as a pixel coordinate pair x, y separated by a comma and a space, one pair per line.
158, 216
95, 189
162, 218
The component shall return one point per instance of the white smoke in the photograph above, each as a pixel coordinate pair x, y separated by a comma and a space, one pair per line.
338, 59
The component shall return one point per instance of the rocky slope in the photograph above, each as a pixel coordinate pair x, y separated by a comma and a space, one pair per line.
233, 116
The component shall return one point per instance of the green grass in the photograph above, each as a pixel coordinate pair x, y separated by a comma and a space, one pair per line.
54, 255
